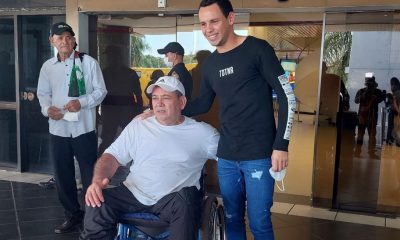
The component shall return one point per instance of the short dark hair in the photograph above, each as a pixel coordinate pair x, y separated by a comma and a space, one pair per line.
156, 74
224, 5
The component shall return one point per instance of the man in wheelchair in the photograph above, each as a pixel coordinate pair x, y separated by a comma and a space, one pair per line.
168, 153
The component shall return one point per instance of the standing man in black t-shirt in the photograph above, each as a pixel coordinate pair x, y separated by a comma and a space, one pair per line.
174, 53
242, 72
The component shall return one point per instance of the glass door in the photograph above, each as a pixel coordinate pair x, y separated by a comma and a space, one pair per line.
361, 55
8, 104
34, 51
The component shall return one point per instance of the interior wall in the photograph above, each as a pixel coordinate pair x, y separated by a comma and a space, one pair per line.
307, 79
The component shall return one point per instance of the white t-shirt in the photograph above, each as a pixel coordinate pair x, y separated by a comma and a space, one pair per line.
165, 158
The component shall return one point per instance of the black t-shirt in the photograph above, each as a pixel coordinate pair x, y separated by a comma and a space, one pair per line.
243, 79
179, 71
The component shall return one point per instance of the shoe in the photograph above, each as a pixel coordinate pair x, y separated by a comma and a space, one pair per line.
49, 184
69, 226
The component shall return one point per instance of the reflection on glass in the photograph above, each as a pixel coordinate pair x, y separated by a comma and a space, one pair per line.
368, 99
35, 142
8, 139
360, 49
124, 98
7, 68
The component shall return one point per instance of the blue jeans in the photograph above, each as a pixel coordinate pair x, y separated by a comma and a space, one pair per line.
247, 180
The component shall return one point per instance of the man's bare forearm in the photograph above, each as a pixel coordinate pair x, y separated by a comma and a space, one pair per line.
105, 167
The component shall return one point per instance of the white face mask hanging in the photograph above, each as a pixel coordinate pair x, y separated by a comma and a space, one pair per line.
169, 64
278, 176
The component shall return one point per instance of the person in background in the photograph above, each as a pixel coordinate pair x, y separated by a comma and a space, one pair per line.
70, 87
393, 103
168, 153
196, 71
369, 98
124, 99
174, 53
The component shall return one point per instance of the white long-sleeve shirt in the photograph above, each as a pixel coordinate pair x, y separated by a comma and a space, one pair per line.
53, 91
165, 158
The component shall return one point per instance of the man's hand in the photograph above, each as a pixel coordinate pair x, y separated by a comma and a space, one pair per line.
279, 160
55, 113
73, 106
145, 114
94, 194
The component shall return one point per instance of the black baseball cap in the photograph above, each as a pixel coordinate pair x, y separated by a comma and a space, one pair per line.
59, 28
173, 47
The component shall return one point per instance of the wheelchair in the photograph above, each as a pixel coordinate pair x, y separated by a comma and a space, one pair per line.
146, 226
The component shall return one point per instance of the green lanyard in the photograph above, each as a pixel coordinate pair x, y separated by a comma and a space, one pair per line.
76, 82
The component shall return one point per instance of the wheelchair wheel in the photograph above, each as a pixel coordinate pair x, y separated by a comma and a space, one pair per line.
213, 223
219, 231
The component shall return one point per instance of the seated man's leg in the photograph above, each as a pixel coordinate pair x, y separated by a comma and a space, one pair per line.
182, 210
100, 222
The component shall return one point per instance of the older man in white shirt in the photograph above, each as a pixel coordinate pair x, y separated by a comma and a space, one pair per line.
70, 87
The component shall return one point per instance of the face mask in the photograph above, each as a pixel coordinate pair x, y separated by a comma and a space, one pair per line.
168, 63
278, 176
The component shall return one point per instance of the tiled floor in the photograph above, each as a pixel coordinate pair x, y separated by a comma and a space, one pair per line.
28, 211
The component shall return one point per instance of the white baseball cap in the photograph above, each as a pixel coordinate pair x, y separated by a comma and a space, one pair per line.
168, 83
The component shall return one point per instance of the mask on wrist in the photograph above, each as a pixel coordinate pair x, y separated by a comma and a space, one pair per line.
278, 176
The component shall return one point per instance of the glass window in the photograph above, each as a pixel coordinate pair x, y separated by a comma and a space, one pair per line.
8, 138
7, 66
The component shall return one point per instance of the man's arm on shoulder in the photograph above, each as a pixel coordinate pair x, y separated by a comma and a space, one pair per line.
145, 114
104, 169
